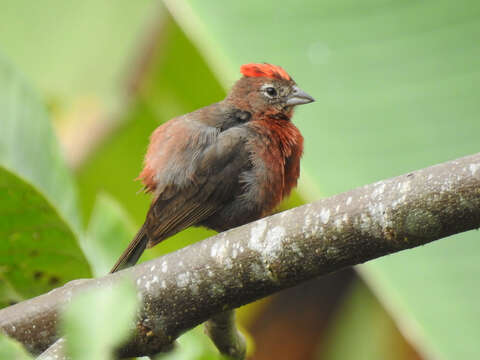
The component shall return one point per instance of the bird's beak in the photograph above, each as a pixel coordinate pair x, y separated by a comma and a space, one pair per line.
299, 97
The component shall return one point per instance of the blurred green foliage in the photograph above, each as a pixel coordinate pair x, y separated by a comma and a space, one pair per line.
108, 234
396, 85
39, 250
12, 350
99, 319
72, 49
39, 221
365, 326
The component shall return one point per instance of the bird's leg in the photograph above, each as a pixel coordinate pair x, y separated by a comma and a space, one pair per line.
227, 338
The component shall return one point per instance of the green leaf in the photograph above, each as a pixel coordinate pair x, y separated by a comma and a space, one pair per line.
99, 319
39, 222
12, 350
109, 232
396, 85
38, 250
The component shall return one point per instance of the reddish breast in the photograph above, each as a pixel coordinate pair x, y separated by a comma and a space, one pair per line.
279, 148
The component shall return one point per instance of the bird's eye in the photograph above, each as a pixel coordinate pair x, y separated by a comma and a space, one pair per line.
271, 91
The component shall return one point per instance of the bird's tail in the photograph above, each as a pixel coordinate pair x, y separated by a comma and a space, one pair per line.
133, 252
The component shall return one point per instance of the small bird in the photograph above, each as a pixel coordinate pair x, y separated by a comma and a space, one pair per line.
223, 165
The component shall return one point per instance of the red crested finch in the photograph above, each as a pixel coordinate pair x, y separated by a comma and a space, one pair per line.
223, 165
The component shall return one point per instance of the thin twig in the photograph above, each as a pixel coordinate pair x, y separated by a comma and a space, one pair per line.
227, 338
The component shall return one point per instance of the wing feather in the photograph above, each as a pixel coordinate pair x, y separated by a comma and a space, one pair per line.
213, 182
192, 178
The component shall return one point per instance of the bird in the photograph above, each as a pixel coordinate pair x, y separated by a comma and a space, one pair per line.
223, 165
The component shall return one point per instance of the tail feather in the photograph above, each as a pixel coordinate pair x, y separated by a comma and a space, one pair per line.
133, 252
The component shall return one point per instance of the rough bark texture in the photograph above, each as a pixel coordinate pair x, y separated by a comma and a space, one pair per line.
187, 287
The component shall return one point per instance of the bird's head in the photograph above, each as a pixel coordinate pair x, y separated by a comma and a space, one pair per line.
267, 89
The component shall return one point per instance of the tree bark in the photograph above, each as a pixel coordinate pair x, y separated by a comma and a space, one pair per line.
56, 351
183, 289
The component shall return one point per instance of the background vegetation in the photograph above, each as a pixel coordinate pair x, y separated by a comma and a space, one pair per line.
83, 84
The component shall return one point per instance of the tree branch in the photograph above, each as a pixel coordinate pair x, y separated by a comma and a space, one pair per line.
227, 338
187, 287
55, 352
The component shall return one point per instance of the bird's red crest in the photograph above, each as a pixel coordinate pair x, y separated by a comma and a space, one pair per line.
265, 70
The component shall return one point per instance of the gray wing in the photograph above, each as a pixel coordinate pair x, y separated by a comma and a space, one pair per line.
214, 181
